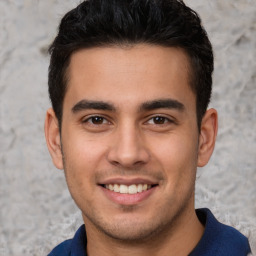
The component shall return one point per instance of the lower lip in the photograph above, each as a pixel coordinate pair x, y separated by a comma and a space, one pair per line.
128, 199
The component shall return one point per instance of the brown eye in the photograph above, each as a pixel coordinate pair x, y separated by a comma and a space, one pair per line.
159, 120
96, 120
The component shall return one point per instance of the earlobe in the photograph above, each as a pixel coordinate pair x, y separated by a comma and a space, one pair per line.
52, 135
207, 138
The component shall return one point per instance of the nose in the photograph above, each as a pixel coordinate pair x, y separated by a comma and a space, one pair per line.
128, 148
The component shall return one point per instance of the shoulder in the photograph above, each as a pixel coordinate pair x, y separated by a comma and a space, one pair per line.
75, 246
63, 249
232, 241
219, 239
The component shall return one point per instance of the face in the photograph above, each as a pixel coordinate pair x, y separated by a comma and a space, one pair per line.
129, 139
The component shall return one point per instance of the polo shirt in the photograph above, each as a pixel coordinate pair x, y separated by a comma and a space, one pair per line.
218, 240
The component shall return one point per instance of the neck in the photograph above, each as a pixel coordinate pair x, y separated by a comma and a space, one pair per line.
178, 240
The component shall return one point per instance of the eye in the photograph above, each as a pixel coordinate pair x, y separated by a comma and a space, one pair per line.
96, 120
159, 120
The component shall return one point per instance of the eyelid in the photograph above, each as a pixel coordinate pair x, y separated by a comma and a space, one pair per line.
87, 118
106, 120
169, 119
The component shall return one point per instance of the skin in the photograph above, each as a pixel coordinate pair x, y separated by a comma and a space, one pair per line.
113, 130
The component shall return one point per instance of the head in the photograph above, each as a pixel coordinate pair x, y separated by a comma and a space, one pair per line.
98, 23
130, 82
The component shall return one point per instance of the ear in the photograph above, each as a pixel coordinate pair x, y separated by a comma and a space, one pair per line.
207, 138
52, 135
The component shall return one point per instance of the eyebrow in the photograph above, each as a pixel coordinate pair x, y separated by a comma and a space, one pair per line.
146, 106
88, 104
162, 103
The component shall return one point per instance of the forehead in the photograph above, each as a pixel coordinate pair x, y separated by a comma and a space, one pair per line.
131, 74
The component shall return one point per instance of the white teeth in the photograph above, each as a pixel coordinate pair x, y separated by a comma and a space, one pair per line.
116, 188
132, 189
124, 189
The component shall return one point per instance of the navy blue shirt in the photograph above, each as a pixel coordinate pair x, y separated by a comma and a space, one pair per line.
218, 240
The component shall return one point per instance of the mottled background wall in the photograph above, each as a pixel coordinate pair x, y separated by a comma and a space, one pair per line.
36, 211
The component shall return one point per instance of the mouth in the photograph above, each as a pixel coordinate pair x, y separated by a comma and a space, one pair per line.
128, 189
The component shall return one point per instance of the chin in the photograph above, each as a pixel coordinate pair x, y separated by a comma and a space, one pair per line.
131, 229
132, 233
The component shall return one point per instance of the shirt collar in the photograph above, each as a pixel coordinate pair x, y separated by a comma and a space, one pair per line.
79, 242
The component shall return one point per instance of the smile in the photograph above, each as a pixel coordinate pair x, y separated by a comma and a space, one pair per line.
128, 192
131, 189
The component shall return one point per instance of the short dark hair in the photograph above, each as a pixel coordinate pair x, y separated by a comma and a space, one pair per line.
96, 23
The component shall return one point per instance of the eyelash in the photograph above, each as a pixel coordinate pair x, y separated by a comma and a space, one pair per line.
90, 120
163, 120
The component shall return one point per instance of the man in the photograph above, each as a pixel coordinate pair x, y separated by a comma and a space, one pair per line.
130, 82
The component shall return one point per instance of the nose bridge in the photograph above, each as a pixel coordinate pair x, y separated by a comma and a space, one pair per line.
128, 148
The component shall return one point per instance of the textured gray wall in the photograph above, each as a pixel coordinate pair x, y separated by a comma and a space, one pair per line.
36, 211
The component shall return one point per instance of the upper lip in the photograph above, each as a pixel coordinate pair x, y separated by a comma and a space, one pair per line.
128, 181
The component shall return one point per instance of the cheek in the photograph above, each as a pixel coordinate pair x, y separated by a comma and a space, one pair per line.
79, 166
176, 149
83, 150
177, 156
82, 156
